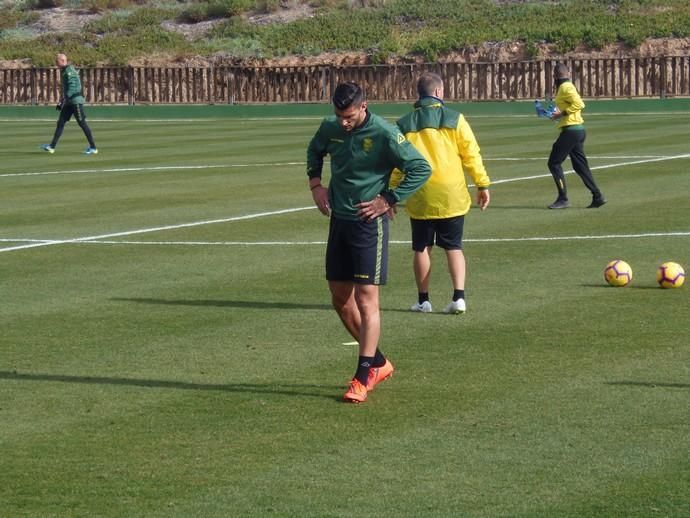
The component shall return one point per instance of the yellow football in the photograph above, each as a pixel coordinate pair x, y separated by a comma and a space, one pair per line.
670, 275
618, 273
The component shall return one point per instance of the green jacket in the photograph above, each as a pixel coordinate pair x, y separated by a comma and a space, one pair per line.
445, 138
71, 85
362, 162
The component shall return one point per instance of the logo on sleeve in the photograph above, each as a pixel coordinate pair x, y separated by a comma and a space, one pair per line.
401, 138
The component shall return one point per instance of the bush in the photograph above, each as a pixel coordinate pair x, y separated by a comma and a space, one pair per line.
9, 19
267, 6
383, 28
98, 6
239, 47
44, 4
203, 11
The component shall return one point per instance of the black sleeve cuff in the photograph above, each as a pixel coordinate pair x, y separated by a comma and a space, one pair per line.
389, 196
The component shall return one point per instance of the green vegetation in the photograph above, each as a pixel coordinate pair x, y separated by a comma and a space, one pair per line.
429, 28
196, 371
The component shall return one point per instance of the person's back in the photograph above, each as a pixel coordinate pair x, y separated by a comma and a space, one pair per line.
438, 208
446, 140
71, 85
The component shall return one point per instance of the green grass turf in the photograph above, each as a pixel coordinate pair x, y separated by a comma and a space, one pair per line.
194, 372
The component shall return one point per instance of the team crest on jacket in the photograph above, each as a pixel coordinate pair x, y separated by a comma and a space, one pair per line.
367, 144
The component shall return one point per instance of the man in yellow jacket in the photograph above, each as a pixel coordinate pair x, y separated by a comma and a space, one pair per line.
437, 210
570, 142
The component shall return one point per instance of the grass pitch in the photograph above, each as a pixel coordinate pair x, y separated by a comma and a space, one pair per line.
168, 347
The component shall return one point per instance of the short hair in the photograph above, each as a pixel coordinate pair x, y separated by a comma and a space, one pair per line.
427, 83
348, 94
561, 71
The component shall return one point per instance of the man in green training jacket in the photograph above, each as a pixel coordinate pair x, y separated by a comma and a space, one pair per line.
364, 150
71, 103
437, 210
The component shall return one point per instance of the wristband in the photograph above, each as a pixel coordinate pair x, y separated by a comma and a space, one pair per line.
317, 185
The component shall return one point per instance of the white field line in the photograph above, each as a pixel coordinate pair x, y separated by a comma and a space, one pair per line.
98, 241
155, 168
590, 157
153, 229
607, 166
253, 216
287, 164
209, 119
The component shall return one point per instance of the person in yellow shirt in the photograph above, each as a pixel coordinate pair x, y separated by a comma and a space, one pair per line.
437, 210
570, 141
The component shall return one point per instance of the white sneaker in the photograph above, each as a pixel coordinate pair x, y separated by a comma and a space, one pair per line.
455, 307
424, 307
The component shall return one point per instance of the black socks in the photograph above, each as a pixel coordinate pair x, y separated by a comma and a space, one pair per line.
363, 366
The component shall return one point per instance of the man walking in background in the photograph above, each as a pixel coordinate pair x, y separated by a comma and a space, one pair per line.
364, 149
570, 142
71, 103
437, 210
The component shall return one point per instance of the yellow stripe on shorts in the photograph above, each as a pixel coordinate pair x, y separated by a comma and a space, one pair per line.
379, 248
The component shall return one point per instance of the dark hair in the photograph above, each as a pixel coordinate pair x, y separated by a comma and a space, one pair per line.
561, 71
347, 94
427, 83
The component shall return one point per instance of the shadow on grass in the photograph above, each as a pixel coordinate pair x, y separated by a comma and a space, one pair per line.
415, 314
630, 287
251, 388
649, 384
520, 207
249, 304
246, 304
252, 304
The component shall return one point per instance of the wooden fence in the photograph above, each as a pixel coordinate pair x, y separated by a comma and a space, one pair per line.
667, 76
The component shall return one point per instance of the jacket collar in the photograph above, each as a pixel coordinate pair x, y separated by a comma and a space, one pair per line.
430, 100
366, 120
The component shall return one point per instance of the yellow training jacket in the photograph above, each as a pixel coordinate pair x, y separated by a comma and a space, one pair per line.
446, 140
571, 105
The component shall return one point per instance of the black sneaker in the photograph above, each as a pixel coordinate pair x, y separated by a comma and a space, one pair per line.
560, 204
597, 202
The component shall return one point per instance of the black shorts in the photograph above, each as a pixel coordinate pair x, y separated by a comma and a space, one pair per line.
447, 232
357, 251
69, 109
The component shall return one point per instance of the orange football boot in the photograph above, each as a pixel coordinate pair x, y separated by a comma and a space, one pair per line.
356, 393
378, 374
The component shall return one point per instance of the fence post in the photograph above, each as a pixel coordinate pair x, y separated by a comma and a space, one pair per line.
210, 81
660, 77
34, 99
130, 85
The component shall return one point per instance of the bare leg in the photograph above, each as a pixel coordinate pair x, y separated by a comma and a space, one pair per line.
421, 263
358, 307
367, 297
456, 268
343, 300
